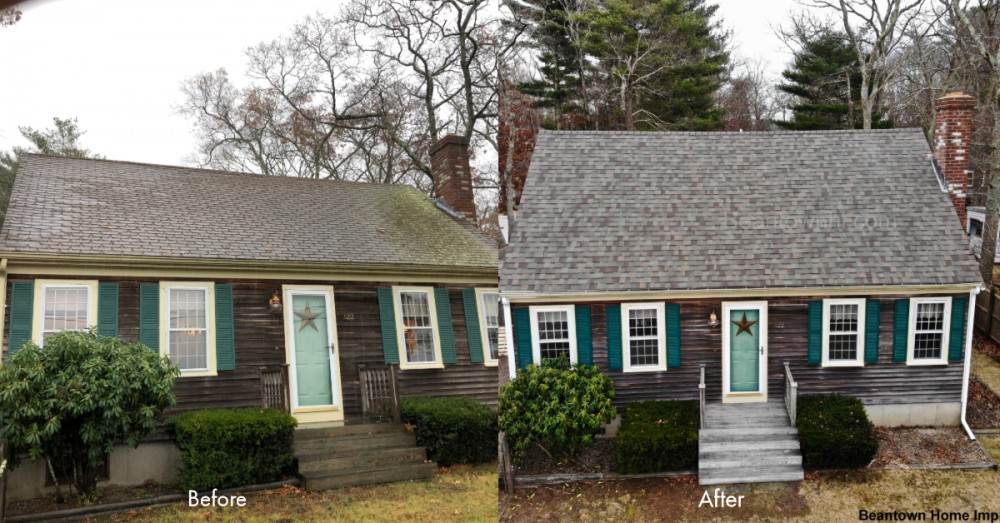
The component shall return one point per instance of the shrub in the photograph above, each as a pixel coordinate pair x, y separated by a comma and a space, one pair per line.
558, 406
657, 436
223, 448
70, 402
454, 430
835, 432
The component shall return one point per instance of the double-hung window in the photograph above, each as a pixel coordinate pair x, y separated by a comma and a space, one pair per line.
419, 341
187, 316
929, 328
553, 332
489, 323
843, 332
644, 339
64, 306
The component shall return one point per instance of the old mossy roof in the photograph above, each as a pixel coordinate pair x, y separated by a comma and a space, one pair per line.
109, 208
621, 211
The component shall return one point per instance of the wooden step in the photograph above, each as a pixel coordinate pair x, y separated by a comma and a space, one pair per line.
368, 460
342, 446
735, 453
743, 461
748, 446
347, 431
349, 478
774, 474
747, 434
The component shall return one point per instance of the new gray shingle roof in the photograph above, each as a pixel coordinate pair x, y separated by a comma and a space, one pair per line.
99, 207
618, 211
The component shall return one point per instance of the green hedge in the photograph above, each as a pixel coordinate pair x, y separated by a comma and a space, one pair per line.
657, 436
454, 430
835, 432
222, 448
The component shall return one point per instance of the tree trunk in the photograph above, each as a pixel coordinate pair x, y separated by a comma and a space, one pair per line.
866, 101
987, 255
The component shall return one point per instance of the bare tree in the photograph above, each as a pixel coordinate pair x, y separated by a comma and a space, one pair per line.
748, 97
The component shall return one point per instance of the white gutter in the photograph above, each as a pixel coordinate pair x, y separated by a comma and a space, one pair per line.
971, 319
508, 333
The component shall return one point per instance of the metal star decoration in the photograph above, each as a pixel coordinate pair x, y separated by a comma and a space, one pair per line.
307, 318
744, 326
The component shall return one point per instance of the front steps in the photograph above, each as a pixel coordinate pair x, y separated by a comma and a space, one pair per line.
359, 455
748, 443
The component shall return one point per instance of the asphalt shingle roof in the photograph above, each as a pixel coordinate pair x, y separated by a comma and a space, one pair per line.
99, 207
621, 211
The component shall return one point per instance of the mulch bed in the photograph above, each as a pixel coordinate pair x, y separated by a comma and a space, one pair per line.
922, 446
987, 347
984, 406
105, 495
598, 458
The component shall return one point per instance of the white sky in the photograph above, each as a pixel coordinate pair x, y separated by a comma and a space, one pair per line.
117, 65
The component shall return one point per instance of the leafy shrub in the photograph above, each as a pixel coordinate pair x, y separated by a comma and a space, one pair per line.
657, 436
70, 402
223, 448
835, 432
557, 406
454, 430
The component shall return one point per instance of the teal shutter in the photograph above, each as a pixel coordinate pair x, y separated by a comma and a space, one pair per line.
387, 316
872, 318
901, 330
107, 309
673, 319
225, 335
584, 338
956, 343
473, 330
22, 305
149, 315
445, 329
816, 332
522, 336
614, 317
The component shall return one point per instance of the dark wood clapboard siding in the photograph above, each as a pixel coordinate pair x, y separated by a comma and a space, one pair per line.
881, 383
260, 340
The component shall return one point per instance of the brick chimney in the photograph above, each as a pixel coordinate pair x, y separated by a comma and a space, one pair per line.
953, 114
453, 175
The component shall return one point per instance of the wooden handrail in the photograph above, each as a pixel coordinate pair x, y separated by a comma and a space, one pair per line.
791, 394
701, 398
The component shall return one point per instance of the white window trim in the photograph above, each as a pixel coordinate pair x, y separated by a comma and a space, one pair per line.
912, 331
859, 360
483, 331
536, 351
661, 333
438, 362
39, 304
209, 288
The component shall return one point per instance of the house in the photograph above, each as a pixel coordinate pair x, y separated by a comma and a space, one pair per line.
743, 263
266, 291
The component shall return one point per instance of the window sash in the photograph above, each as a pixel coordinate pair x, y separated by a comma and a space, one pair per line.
926, 334
64, 313
490, 311
174, 330
843, 332
553, 334
654, 337
417, 325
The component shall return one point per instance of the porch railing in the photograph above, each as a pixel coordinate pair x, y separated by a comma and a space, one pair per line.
791, 394
274, 387
379, 395
701, 398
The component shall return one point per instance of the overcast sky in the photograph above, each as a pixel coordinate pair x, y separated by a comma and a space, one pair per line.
117, 65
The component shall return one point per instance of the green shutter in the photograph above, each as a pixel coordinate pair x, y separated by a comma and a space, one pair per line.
225, 336
872, 318
584, 338
22, 305
107, 309
472, 329
522, 336
387, 315
445, 329
901, 330
816, 332
956, 343
614, 317
149, 315
673, 318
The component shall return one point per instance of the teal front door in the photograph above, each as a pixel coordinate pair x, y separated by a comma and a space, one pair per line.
744, 350
314, 365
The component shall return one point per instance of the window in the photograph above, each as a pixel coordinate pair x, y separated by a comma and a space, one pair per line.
644, 340
489, 323
976, 228
419, 341
63, 306
553, 332
929, 323
843, 333
187, 319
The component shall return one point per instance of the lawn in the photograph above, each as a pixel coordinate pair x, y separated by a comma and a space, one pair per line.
460, 493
